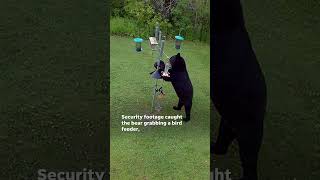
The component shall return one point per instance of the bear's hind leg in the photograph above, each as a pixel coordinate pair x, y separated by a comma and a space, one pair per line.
249, 144
225, 137
188, 106
180, 104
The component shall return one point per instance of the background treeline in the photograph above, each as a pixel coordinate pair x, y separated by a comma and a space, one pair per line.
138, 18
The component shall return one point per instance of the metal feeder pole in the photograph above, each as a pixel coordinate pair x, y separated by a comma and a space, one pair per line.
158, 64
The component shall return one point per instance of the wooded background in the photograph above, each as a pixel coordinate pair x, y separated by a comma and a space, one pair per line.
138, 18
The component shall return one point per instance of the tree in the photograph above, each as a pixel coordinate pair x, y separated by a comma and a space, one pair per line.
164, 7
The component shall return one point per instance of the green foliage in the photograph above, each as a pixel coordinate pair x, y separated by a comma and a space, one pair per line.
182, 18
117, 8
192, 17
145, 18
140, 11
123, 27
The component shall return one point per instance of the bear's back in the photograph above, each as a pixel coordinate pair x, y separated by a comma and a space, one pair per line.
227, 15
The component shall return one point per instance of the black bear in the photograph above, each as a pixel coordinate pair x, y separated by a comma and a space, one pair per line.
238, 88
179, 77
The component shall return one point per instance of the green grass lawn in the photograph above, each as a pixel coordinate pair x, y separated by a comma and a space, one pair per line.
52, 87
158, 152
285, 35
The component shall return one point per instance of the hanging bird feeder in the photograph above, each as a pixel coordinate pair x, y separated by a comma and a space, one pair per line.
138, 42
178, 42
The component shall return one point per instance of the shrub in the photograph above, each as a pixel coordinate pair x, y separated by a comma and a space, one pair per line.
123, 27
139, 17
146, 18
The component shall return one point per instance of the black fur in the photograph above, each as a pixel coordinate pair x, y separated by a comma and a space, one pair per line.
181, 83
161, 66
238, 87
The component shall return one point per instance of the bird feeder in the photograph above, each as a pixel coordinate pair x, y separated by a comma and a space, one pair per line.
138, 42
178, 42
153, 43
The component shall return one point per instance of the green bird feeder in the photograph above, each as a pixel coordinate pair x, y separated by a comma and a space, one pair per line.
178, 42
138, 42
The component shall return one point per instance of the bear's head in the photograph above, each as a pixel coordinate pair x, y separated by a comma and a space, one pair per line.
177, 63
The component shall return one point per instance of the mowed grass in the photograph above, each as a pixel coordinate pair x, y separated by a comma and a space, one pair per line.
285, 35
53, 87
177, 152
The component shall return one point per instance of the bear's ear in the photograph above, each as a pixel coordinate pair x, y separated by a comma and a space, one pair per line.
178, 55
